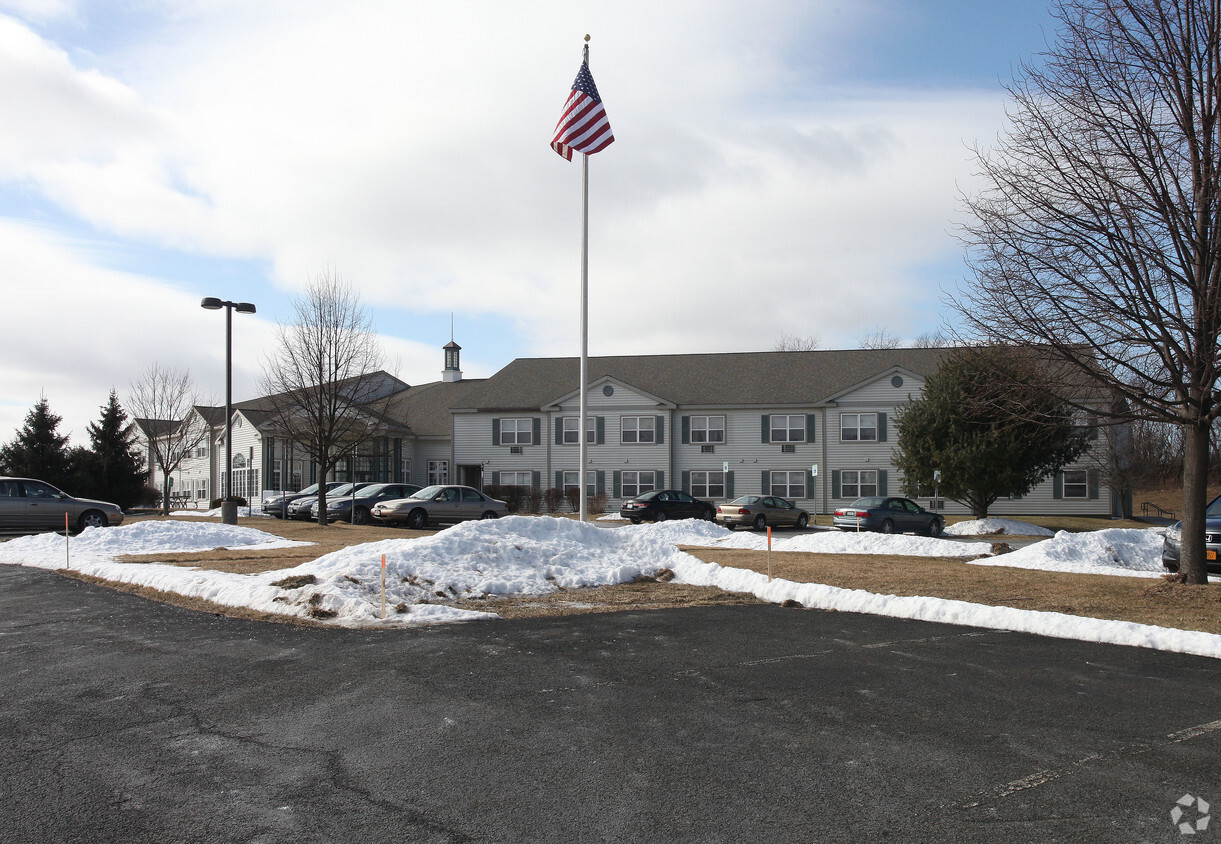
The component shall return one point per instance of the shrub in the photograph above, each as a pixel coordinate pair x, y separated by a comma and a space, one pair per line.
573, 495
534, 500
554, 499
597, 503
510, 495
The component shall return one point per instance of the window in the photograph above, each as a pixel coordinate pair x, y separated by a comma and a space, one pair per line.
858, 483
522, 479
636, 483
516, 431
591, 481
438, 472
858, 427
201, 451
708, 484
788, 484
638, 429
405, 468
707, 429
788, 429
1076, 483
572, 423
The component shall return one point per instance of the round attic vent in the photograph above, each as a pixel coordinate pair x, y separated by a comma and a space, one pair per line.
897, 381
608, 390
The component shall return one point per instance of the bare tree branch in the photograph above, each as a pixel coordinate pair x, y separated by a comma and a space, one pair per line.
163, 401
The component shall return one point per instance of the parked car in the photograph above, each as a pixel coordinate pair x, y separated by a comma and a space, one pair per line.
888, 515
759, 511
31, 505
660, 504
439, 503
303, 508
340, 509
278, 504
1172, 544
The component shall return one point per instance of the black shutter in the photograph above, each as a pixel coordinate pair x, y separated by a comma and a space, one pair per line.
686, 421
559, 431
882, 428
1092, 480
882, 482
601, 430
661, 480
537, 436
616, 485
495, 431
559, 479
495, 479
536, 480
686, 480
661, 429
600, 482
767, 428
1057, 485
810, 424
835, 483
767, 482
729, 485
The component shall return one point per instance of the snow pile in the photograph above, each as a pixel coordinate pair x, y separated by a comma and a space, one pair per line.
526, 555
993, 526
46, 550
1121, 551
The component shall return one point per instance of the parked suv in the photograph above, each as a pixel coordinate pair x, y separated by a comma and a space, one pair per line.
1172, 544
30, 505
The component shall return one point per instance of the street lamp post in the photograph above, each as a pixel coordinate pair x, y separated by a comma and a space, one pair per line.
228, 508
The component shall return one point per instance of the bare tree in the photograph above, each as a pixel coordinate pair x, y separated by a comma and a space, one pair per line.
793, 343
326, 389
932, 340
879, 338
1098, 234
163, 404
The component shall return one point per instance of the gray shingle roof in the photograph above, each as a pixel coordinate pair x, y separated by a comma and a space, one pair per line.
723, 379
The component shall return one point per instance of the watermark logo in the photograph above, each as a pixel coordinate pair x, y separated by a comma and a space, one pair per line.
1187, 807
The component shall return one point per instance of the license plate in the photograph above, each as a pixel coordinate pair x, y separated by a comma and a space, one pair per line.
1210, 554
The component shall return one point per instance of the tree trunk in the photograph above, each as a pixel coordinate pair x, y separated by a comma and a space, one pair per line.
165, 494
324, 471
1192, 564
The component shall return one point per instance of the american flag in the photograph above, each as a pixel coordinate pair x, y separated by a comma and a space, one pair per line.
583, 126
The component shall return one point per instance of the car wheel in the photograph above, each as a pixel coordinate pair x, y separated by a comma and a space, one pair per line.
888, 526
760, 522
417, 519
360, 516
708, 515
91, 518
935, 527
802, 521
489, 515
634, 520
728, 525
660, 516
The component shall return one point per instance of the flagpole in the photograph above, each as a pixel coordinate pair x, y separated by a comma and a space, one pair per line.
583, 424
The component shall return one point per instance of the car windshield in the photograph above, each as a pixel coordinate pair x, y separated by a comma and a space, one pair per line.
746, 499
868, 503
427, 493
370, 490
339, 491
309, 490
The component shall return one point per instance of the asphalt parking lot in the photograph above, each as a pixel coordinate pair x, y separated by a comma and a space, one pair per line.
126, 720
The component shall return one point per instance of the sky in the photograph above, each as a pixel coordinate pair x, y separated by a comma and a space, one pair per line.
532, 555
781, 167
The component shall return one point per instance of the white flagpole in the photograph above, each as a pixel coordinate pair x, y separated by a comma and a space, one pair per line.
584, 321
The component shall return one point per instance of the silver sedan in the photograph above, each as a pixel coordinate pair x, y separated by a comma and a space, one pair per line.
440, 503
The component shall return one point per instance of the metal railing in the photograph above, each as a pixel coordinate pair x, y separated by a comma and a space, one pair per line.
1148, 508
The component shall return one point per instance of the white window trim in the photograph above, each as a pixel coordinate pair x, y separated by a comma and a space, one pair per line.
788, 485
860, 484
591, 431
639, 486
707, 433
712, 481
788, 433
1083, 484
651, 430
857, 428
517, 431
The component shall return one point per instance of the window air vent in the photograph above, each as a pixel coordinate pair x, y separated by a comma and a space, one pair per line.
788, 448
707, 449
515, 449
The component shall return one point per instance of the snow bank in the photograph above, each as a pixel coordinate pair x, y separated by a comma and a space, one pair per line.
522, 555
993, 526
1117, 551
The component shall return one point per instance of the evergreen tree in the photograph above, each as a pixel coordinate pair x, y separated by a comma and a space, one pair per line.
987, 438
38, 451
113, 468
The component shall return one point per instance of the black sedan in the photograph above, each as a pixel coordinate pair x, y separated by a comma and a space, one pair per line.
1172, 544
357, 509
888, 515
277, 505
661, 504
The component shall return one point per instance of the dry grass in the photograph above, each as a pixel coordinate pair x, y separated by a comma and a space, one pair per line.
1147, 601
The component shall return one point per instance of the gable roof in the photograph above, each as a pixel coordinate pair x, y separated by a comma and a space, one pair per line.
723, 379
426, 407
